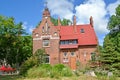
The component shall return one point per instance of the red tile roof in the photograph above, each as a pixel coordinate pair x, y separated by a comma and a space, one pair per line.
86, 38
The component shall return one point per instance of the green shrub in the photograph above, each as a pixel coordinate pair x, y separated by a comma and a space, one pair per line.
29, 63
46, 70
36, 59
36, 72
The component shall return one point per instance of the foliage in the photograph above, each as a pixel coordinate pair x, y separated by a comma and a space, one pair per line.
35, 60
29, 63
46, 70
40, 54
14, 47
110, 56
63, 22
115, 20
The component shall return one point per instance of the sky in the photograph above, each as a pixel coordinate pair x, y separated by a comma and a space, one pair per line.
29, 12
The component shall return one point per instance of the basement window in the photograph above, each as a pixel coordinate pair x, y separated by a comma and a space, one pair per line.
82, 31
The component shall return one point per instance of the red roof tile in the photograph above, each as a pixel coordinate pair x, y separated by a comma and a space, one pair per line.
86, 38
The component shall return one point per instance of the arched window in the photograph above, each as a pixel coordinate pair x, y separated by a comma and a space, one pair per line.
48, 30
43, 30
47, 58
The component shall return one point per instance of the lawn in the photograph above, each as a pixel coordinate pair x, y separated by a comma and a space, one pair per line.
82, 77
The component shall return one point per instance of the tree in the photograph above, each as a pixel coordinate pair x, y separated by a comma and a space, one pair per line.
110, 56
64, 22
14, 47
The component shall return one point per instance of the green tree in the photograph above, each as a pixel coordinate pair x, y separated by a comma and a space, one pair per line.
64, 22
110, 56
14, 47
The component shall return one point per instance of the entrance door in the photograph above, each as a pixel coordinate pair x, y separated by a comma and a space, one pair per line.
73, 63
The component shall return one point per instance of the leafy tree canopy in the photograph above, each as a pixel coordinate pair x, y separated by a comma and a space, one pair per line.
14, 47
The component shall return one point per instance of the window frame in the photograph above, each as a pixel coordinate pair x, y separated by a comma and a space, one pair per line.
43, 42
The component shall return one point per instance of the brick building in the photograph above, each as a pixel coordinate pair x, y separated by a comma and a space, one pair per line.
65, 44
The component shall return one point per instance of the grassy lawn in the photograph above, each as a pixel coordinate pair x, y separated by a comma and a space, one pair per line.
6, 77
82, 77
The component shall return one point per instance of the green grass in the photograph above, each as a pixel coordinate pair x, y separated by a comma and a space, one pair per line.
8, 77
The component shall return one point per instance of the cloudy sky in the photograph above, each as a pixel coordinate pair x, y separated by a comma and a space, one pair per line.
30, 12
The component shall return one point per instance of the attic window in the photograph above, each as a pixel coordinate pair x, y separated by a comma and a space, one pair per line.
82, 31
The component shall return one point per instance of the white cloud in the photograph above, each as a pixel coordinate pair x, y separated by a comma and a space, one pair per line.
95, 8
111, 7
24, 25
62, 8
31, 29
27, 27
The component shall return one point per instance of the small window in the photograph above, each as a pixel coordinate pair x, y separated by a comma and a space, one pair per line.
82, 31
85, 54
62, 42
36, 34
46, 43
47, 59
55, 33
43, 29
48, 30
65, 60
65, 54
72, 53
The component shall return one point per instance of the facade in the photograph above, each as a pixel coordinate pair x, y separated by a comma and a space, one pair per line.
65, 44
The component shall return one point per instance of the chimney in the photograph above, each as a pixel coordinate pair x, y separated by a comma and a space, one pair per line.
59, 23
91, 21
74, 20
74, 23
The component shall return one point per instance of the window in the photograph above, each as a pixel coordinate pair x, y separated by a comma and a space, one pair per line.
36, 34
43, 29
48, 30
85, 54
69, 42
46, 42
65, 54
65, 60
72, 53
55, 33
82, 31
47, 58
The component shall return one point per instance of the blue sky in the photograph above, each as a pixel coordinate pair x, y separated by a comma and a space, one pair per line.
30, 12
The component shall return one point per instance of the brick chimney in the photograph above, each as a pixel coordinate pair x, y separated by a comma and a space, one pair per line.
74, 23
74, 20
91, 21
59, 23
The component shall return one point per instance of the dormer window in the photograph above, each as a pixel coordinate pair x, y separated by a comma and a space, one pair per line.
82, 31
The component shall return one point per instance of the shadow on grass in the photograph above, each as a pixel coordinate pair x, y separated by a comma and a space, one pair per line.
9, 77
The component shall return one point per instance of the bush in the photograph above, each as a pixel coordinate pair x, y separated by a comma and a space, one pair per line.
36, 59
46, 70
29, 63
